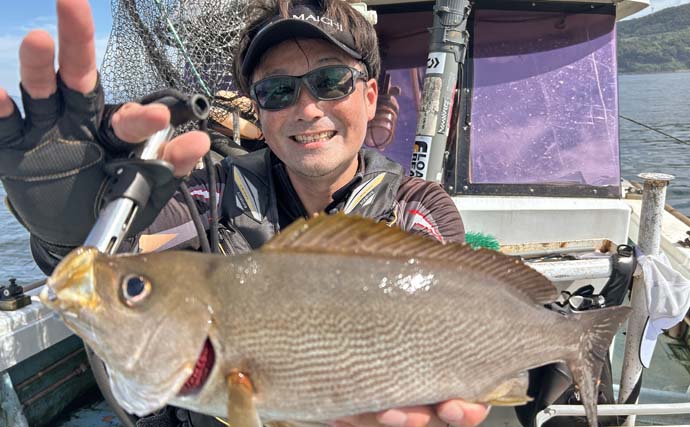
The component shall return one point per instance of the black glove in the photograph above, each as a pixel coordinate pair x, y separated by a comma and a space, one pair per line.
52, 164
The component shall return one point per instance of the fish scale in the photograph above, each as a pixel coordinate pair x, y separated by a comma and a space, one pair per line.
314, 327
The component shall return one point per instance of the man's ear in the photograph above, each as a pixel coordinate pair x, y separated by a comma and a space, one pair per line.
370, 97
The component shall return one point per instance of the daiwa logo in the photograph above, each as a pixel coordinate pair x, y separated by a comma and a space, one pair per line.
445, 112
420, 158
320, 19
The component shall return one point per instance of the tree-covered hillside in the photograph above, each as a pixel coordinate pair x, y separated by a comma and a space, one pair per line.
655, 43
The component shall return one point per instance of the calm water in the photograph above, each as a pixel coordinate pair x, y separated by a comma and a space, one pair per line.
658, 100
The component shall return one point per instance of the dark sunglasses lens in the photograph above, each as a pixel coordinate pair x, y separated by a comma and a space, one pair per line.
330, 82
276, 92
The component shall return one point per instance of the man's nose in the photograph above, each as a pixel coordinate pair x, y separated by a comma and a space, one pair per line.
307, 106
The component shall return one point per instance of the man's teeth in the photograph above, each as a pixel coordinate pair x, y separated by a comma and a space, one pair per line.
314, 137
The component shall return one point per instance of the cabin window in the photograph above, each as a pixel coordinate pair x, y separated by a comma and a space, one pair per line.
404, 42
542, 105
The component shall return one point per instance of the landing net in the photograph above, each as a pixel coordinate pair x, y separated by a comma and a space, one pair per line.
183, 44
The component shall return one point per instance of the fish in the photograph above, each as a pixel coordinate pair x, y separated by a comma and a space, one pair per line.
337, 315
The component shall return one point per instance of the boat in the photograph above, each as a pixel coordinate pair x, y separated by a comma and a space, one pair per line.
533, 159
522, 133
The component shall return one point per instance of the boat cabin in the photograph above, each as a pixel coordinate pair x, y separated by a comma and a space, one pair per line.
532, 148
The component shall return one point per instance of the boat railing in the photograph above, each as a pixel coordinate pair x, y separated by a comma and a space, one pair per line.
649, 237
617, 409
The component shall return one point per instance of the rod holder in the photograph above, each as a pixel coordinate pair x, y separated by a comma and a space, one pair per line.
649, 242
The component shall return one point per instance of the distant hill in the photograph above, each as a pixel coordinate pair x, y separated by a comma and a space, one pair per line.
655, 43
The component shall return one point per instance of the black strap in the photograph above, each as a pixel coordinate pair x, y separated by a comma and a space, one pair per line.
635, 393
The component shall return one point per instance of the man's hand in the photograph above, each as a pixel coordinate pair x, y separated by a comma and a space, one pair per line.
77, 64
453, 413
52, 160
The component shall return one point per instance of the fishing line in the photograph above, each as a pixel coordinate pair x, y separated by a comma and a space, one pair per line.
177, 39
654, 129
163, 67
196, 218
212, 195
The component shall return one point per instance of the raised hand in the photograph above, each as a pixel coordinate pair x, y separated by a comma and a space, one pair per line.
132, 123
51, 161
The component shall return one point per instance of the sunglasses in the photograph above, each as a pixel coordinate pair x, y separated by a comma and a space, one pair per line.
326, 84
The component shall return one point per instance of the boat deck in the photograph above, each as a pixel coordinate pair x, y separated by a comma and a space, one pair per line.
94, 414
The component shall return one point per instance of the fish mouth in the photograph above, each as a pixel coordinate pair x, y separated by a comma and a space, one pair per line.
71, 286
202, 370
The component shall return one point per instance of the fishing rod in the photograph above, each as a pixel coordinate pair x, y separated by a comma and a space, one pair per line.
213, 245
447, 52
172, 78
135, 178
654, 129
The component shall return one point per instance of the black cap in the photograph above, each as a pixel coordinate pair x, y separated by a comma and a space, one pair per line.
303, 21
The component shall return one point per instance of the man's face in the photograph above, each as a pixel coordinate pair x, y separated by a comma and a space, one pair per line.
316, 138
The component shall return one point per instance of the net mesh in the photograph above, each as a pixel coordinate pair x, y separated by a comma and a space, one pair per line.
184, 44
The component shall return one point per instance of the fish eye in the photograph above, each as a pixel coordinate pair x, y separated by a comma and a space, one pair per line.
135, 289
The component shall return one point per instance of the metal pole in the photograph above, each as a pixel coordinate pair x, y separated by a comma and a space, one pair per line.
649, 242
447, 51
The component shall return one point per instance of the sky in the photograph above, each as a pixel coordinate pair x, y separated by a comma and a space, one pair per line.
17, 17
657, 5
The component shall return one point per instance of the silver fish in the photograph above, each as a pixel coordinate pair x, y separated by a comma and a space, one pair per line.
335, 316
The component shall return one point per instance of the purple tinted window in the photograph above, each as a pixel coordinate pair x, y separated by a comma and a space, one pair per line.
544, 99
403, 94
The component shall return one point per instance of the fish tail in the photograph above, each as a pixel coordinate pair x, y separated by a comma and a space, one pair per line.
599, 327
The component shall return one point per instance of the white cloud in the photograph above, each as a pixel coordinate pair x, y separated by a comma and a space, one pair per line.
48, 23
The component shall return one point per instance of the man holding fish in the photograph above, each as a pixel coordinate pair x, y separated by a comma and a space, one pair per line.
312, 75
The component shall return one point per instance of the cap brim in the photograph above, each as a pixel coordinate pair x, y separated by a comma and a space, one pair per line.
282, 30
648, 342
652, 329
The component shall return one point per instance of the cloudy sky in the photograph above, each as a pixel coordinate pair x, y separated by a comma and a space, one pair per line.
19, 16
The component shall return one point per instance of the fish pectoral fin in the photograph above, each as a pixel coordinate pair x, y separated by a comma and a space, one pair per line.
241, 410
510, 401
512, 392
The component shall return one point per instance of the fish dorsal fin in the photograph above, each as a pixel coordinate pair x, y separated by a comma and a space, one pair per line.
342, 234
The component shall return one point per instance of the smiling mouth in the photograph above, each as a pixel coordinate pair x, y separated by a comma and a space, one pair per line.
314, 137
202, 369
